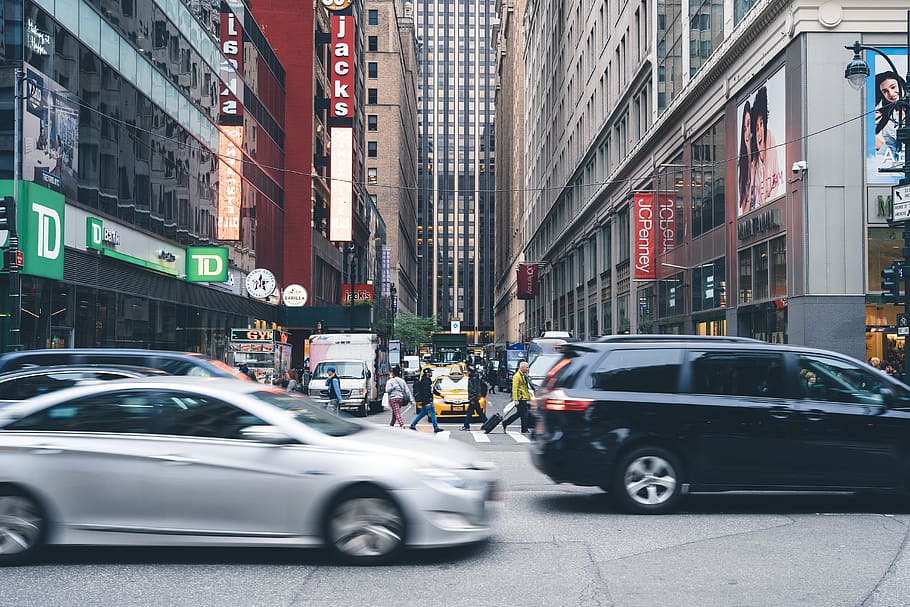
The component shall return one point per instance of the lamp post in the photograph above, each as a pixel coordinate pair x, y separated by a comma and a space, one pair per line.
856, 73
352, 252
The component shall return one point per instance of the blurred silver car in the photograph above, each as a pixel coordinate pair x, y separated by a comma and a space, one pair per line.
30, 382
215, 462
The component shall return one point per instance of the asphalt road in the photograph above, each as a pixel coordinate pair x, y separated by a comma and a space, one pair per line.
555, 545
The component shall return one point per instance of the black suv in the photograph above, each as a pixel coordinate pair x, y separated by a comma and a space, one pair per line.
651, 419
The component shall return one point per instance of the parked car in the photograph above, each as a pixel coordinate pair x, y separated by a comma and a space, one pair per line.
23, 384
215, 462
450, 396
650, 420
173, 363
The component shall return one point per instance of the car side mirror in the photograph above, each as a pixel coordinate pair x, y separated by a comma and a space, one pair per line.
369, 375
889, 396
266, 434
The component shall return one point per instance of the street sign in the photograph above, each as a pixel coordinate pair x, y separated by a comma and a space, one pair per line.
900, 203
903, 324
455, 326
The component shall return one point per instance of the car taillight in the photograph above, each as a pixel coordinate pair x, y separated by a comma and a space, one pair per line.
558, 401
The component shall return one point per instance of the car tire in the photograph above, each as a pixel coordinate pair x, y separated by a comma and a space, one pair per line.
23, 526
364, 526
648, 480
362, 410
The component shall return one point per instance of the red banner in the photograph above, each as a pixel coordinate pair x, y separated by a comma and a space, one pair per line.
342, 76
644, 236
528, 280
362, 294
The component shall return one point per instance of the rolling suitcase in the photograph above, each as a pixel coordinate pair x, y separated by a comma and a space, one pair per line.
491, 423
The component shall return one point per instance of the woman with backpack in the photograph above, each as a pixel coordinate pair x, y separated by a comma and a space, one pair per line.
399, 395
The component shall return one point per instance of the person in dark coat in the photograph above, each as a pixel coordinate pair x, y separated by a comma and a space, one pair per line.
473, 398
423, 395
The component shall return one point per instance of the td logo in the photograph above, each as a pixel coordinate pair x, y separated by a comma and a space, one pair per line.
41, 238
206, 264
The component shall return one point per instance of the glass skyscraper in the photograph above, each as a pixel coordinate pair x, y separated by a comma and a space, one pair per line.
456, 140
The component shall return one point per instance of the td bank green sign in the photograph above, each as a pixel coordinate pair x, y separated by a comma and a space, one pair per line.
40, 215
206, 264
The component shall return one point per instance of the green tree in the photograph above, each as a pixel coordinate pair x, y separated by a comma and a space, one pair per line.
414, 330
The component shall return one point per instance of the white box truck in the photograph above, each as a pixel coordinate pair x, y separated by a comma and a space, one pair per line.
361, 362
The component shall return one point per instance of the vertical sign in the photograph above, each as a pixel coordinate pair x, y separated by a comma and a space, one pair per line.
230, 183
342, 66
341, 213
41, 231
666, 222
386, 270
232, 68
528, 280
644, 237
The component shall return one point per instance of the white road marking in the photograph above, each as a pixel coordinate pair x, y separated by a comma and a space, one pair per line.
518, 437
480, 437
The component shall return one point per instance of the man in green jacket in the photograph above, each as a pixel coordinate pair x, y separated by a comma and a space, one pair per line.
521, 394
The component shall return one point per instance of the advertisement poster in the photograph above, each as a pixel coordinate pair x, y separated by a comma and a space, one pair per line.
882, 89
761, 161
50, 135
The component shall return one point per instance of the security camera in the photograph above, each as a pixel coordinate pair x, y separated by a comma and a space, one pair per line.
799, 166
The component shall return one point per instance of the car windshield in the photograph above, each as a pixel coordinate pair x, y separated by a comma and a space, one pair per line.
542, 363
344, 370
449, 383
305, 412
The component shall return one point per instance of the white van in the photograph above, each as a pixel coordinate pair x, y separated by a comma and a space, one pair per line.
355, 381
365, 347
410, 367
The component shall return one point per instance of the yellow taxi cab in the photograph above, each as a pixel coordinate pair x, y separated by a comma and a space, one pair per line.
450, 396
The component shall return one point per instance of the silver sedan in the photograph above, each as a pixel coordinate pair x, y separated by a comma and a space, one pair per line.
213, 462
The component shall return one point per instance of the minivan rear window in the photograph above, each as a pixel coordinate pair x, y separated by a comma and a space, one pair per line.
651, 370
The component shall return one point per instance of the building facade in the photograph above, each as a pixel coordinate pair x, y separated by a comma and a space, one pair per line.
705, 168
456, 153
508, 41
391, 134
151, 152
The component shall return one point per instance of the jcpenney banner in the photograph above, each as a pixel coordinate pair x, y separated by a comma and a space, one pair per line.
528, 280
644, 235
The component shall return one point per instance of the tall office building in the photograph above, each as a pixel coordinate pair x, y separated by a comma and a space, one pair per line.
456, 142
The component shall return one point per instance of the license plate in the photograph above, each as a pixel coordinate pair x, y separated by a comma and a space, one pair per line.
456, 408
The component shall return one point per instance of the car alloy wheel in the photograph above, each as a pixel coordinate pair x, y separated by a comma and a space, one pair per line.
648, 481
365, 526
22, 527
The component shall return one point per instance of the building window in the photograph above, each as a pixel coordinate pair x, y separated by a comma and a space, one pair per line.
708, 156
372, 149
669, 51
372, 96
372, 122
709, 286
372, 175
740, 8
373, 17
706, 30
372, 70
373, 43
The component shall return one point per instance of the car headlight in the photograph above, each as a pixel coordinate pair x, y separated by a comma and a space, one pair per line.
357, 392
445, 477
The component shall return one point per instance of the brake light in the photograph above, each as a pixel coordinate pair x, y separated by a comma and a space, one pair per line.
558, 401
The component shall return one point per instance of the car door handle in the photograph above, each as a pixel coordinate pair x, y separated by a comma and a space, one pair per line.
45, 449
174, 459
780, 412
316, 473
814, 415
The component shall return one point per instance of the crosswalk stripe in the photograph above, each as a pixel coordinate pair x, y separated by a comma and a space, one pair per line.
519, 438
480, 437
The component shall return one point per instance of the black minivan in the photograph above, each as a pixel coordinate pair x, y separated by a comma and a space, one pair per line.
650, 419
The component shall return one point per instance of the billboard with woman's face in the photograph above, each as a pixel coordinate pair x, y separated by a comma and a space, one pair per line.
882, 89
761, 159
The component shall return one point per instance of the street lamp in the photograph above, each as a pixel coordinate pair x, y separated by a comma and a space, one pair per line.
352, 256
856, 73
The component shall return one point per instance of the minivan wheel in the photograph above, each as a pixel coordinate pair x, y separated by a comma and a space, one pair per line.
364, 526
23, 526
648, 480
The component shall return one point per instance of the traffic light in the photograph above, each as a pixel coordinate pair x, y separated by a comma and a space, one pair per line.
891, 282
8, 214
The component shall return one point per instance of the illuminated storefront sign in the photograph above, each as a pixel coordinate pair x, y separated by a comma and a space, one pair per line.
230, 184
232, 69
